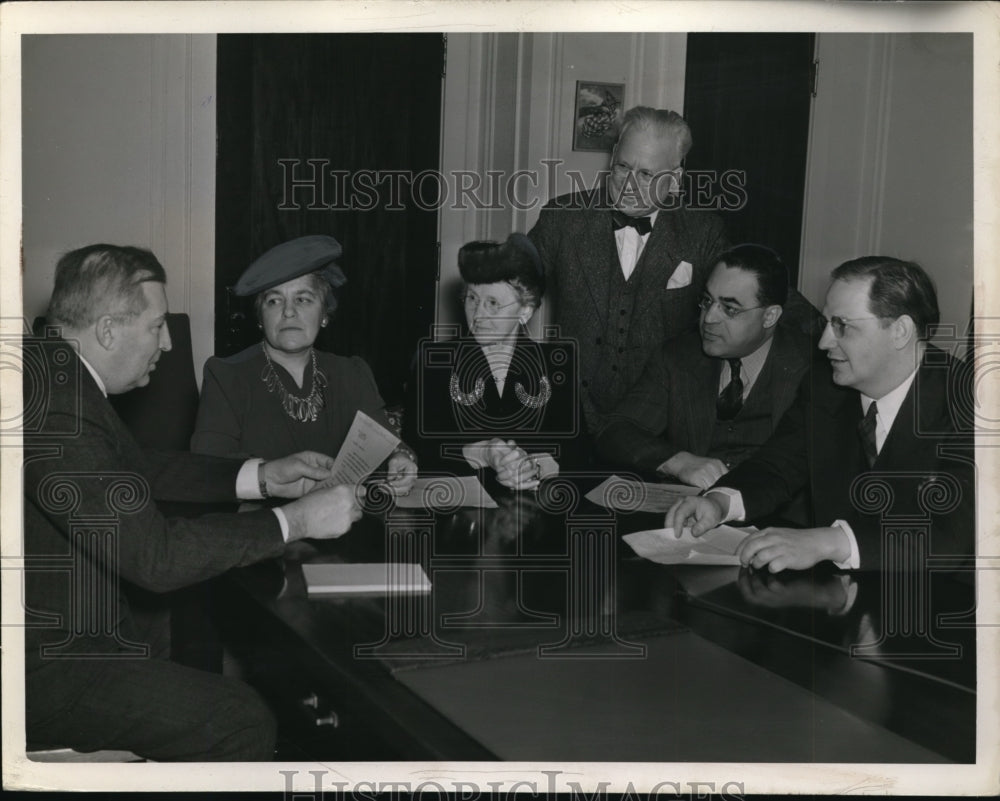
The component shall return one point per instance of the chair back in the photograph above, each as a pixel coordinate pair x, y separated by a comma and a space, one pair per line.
162, 414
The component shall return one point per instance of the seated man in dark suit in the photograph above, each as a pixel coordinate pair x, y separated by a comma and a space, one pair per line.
711, 398
96, 677
889, 434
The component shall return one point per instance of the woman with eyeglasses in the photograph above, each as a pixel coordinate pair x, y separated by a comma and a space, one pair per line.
496, 400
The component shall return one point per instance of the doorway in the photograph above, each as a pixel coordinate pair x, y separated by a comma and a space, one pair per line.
748, 98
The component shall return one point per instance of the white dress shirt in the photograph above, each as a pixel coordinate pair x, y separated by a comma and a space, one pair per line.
630, 245
750, 367
886, 412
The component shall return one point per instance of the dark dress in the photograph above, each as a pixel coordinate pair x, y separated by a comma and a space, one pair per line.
238, 416
453, 401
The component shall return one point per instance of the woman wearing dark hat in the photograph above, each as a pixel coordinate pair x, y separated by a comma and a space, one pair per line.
282, 395
496, 399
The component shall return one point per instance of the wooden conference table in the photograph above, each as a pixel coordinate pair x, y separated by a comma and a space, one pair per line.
545, 638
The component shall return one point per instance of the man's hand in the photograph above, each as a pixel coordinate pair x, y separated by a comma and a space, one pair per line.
701, 513
293, 476
698, 471
323, 514
793, 549
402, 473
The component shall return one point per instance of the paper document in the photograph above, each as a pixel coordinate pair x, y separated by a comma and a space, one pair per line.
368, 444
715, 547
365, 577
443, 492
626, 495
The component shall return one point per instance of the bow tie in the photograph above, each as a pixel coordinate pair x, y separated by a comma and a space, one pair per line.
642, 225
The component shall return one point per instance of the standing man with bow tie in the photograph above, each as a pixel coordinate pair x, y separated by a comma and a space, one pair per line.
627, 261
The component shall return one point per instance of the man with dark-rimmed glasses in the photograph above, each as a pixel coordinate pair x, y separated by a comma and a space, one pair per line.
710, 398
890, 434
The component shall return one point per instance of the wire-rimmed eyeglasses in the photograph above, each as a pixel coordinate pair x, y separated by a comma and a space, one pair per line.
730, 310
839, 325
490, 306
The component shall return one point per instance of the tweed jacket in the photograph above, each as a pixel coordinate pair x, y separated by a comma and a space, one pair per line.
576, 242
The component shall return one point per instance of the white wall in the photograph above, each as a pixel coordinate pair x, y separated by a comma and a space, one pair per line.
509, 105
890, 165
119, 147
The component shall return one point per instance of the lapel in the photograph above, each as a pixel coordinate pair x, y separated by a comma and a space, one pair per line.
837, 457
696, 393
660, 251
783, 362
597, 253
902, 448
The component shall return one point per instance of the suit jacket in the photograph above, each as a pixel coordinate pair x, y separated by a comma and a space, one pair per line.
84, 473
576, 242
925, 468
543, 415
672, 407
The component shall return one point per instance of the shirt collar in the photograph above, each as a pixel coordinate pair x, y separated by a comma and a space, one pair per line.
753, 363
652, 222
888, 404
93, 372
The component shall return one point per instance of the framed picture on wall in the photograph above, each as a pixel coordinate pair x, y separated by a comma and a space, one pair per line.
598, 116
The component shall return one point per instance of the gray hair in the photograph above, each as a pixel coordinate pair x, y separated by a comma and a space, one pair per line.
102, 279
663, 122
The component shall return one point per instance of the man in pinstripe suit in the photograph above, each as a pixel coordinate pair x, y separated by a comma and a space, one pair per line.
709, 399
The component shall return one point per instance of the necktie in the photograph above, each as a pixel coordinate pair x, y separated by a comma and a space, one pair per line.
642, 225
730, 400
866, 430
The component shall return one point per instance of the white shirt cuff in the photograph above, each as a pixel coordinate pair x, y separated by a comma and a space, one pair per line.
282, 521
853, 562
247, 487
736, 510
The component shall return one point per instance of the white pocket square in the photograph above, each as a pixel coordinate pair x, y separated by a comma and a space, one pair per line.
681, 277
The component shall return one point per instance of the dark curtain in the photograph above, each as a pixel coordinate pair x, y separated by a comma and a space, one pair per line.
299, 108
747, 98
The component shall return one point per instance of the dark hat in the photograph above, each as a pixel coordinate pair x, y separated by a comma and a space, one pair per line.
516, 259
307, 254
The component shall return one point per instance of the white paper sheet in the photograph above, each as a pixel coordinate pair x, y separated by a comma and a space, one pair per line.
715, 547
446, 492
367, 445
626, 495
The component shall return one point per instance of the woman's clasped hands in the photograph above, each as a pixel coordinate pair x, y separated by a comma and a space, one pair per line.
514, 468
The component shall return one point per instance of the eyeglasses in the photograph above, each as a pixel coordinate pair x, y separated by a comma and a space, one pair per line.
728, 309
490, 306
643, 177
839, 324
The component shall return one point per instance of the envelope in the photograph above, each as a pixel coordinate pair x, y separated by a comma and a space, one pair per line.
681, 277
